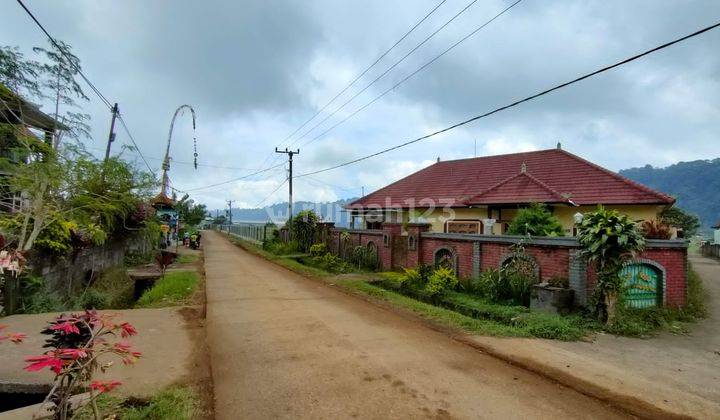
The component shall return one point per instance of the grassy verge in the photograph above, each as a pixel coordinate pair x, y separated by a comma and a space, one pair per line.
187, 258
176, 288
287, 261
171, 403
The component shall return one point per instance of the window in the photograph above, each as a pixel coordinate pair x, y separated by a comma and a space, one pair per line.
412, 242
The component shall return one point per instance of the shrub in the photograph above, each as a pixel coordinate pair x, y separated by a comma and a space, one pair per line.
303, 227
134, 258
318, 249
364, 257
281, 248
331, 263
535, 220
93, 299
653, 229
440, 281
503, 286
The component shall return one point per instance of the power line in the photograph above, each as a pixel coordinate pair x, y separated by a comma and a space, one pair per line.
516, 103
270, 195
367, 69
132, 139
85, 78
418, 70
383, 55
62, 51
387, 70
236, 179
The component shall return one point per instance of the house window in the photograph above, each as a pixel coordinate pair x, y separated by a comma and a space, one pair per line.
412, 242
386, 240
463, 226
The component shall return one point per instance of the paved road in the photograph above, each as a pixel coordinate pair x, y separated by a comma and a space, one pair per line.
283, 346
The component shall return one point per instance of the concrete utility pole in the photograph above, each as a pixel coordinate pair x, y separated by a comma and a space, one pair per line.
290, 154
230, 211
111, 137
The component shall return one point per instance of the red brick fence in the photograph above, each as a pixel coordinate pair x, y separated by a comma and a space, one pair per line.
558, 257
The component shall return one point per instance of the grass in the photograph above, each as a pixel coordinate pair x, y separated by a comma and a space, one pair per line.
176, 288
288, 261
187, 258
171, 403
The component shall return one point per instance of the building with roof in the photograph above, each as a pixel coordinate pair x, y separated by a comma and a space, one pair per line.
482, 195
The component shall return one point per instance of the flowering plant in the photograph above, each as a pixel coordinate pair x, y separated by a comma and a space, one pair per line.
76, 343
13, 337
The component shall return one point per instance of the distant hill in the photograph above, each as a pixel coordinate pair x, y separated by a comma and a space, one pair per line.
330, 211
696, 185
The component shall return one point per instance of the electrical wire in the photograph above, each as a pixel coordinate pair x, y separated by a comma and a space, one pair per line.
132, 139
235, 179
388, 70
518, 102
270, 195
408, 77
359, 76
70, 61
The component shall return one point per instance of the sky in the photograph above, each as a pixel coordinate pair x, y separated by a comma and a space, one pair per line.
255, 71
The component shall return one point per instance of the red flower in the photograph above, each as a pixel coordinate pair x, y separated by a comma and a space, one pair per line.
73, 354
104, 386
49, 360
67, 327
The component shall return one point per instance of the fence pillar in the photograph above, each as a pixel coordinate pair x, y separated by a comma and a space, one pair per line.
577, 276
414, 245
390, 231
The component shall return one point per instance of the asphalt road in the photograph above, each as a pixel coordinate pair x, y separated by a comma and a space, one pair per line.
283, 346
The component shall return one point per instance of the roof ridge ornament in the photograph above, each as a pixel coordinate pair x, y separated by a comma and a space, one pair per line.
523, 168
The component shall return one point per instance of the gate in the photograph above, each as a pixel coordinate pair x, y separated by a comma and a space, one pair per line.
644, 285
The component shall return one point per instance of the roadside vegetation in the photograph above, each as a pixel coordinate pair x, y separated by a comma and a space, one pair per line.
180, 403
497, 302
174, 288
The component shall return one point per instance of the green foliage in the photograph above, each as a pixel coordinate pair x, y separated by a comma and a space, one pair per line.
303, 227
330, 263
280, 248
93, 299
179, 403
679, 218
364, 257
609, 238
441, 281
175, 288
535, 220
192, 214
318, 249
695, 185
135, 258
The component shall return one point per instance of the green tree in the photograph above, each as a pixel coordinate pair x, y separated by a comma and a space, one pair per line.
535, 220
679, 218
18, 74
303, 227
191, 213
609, 239
60, 72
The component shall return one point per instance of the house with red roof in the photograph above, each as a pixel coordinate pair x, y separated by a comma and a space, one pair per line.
482, 195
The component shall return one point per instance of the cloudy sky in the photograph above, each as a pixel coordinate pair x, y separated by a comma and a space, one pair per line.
256, 70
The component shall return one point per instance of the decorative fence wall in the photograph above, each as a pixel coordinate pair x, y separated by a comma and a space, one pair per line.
255, 232
710, 250
554, 257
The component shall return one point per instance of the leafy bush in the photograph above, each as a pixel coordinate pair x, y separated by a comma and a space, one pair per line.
652, 229
331, 263
364, 257
93, 299
535, 220
503, 286
318, 249
304, 225
281, 248
440, 281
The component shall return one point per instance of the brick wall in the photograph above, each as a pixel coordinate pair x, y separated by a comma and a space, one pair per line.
555, 257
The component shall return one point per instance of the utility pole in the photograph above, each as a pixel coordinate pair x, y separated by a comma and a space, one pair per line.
290, 154
230, 212
111, 136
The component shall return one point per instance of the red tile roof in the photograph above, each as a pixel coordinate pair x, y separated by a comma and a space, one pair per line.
550, 176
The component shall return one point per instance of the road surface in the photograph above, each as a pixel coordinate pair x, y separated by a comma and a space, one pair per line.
283, 346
